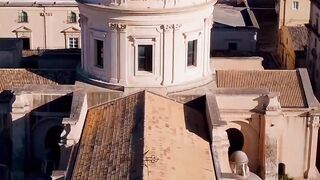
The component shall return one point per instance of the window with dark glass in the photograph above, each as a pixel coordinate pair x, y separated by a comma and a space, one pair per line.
192, 53
23, 17
99, 53
72, 17
145, 58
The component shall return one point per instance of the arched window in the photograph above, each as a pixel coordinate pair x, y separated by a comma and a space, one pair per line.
23, 17
72, 18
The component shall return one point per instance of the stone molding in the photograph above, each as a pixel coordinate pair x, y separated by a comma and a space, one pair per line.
117, 27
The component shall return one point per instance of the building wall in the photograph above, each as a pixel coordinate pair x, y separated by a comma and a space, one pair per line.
46, 31
313, 52
287, 57
168, 33
245, 38
288, 16
10, 52
290, 130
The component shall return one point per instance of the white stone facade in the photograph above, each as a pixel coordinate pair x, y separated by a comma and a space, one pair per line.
50, 24
162, 32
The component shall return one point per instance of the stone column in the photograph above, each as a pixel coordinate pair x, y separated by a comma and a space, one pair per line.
122, 54
167, 54
313, 126
20, 107
113, 36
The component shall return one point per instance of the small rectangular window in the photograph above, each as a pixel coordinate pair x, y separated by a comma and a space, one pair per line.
72, 17
73, 42
295, 5
23, 17
99, 53
192, 53
145, 58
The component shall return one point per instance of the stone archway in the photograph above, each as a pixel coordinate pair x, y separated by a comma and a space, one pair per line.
236, 140
246, 139
45, 143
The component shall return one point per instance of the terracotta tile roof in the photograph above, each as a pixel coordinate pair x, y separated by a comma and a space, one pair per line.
299, 36
110, 140
13, 78
144, 136
287, 83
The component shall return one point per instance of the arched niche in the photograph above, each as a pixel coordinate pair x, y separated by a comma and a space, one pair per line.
236, 140
250, 144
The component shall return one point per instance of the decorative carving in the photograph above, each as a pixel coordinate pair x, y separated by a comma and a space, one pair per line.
122, 27
117, 26
113, 26
167, 27
177, 27
273, 104
314, 121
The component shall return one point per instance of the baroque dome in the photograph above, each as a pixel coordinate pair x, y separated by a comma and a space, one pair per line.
148, 4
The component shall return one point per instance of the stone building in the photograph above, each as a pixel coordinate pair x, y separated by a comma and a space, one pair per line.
46, 24
55, 124
292, 48
313, 52
235, 29
292, 12
293, 15
149, 44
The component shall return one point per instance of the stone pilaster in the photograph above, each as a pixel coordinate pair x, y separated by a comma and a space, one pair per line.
313, 126
20, 107
207, 36
176, 56
167, 53
122, 54
269, 170
113, 28
84, 44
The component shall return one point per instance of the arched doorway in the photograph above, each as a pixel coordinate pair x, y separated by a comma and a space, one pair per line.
236, 140
52, 148
46, 152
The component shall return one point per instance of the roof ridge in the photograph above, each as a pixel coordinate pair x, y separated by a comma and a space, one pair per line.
114, 100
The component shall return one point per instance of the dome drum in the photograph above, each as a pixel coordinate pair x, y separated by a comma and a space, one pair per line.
146, 50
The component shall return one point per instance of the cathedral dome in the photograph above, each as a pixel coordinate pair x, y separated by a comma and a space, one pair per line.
150, 43
147, 4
